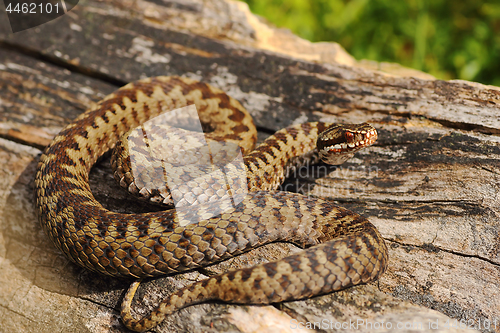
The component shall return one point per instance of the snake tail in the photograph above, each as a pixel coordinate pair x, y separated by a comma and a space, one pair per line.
322, 269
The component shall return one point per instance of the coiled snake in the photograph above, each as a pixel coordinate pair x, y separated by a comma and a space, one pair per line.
342, 249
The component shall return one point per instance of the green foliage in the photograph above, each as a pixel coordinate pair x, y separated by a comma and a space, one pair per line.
448, 39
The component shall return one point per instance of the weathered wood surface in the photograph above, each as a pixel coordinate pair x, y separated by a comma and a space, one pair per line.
431, 183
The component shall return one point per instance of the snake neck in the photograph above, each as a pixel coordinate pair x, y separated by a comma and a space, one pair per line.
280, 154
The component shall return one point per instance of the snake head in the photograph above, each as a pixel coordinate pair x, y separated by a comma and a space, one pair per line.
338, 143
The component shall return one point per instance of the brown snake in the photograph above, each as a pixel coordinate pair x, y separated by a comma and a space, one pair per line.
342, 249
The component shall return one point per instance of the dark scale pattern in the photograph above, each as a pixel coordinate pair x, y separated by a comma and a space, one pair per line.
342, 248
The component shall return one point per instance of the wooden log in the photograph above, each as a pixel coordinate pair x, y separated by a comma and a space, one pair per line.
431, 183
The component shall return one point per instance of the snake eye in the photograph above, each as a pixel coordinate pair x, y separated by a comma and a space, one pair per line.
349, 137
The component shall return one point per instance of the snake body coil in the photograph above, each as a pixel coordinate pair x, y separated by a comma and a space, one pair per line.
341, 248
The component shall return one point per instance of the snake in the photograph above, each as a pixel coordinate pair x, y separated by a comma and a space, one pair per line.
339, 247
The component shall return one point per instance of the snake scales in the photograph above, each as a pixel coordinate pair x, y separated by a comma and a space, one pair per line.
341, 248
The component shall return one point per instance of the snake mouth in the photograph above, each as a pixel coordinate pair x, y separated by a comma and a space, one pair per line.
341, 139
339, 143
367, 139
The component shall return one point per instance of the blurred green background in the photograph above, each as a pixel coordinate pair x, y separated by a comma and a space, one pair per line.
448, 39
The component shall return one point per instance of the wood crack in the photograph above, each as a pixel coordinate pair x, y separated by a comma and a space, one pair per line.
433, 248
